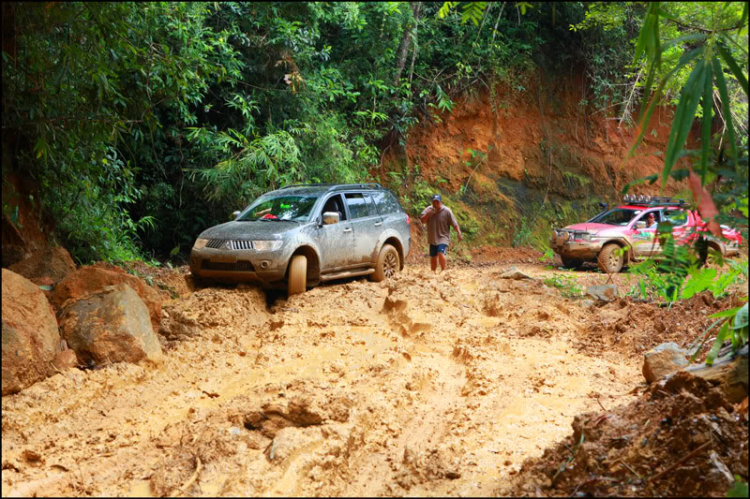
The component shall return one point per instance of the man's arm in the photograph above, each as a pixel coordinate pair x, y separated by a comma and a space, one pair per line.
426, 214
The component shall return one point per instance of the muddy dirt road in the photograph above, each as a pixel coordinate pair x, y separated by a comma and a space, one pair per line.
427, 385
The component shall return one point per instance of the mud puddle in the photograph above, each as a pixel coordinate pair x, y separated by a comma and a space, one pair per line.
427, 385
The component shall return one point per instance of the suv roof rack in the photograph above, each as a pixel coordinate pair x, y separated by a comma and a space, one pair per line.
641, 200
334, 187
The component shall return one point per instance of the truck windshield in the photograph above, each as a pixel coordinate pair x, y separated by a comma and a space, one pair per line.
279, 208
619, 216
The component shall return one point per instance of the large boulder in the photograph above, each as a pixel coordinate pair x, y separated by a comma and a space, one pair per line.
53, 262
663, 360
89, 280
110, 326
30, 338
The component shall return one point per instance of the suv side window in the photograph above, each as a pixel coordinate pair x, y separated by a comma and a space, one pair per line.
358, 205
385, 202
334, 204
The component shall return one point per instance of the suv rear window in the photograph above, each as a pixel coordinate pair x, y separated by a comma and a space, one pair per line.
385, 202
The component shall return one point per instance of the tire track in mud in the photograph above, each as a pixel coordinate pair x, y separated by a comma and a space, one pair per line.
426, 385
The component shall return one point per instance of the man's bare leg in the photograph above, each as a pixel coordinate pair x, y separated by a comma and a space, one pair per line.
441, 258
433, 262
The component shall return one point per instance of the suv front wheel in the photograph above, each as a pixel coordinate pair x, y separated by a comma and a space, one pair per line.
388, 264
297, 275
611, 259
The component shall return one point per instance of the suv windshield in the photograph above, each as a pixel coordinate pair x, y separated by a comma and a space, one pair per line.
618, 216
280, 208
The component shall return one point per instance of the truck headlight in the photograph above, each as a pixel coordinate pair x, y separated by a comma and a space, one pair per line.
586, 237
267, 245
200, 243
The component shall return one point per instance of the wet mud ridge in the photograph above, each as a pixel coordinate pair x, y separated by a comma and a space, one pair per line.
424, 385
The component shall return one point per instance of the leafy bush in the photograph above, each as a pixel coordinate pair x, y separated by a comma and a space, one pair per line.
567, 284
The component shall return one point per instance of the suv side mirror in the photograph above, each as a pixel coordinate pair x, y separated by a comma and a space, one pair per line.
330, 217
235, 214
640, 225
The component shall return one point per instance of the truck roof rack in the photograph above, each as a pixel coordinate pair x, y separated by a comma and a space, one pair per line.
334, 187
641, 200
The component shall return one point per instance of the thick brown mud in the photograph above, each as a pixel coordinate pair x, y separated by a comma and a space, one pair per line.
424, 385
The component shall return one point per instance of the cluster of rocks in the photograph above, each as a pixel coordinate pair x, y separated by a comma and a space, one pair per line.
56, 317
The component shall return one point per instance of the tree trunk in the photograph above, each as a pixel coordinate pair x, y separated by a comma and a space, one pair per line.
403, 48
415, 51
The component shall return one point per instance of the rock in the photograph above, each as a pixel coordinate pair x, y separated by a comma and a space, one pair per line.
587, 303
52, 262
515, 274
662, 361
30, 338
110, 326
606, 292
65, 360
89, 280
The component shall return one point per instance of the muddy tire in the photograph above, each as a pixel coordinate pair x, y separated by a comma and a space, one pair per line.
297, 275
609, 260
571, 263
389, 264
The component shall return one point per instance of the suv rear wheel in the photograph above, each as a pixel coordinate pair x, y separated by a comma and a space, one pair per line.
297, 275
611, 260
388, 264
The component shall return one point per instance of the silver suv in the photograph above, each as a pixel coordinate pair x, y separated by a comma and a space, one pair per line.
302, 235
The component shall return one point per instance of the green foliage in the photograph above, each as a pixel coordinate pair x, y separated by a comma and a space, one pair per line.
566, 283
678, 275
739, 488
733, 327
709, 59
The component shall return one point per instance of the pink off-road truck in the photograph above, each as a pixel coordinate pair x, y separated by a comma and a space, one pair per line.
624, 227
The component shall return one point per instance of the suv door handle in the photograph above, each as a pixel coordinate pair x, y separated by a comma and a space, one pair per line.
348, 230
378, 224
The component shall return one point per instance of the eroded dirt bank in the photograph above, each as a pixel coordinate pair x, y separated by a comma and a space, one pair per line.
427, 385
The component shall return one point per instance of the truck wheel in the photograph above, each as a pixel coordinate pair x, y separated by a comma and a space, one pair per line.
571, 263
388, 264
610, 260
297, 275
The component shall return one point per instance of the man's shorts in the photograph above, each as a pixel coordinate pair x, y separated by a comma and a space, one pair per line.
437, 248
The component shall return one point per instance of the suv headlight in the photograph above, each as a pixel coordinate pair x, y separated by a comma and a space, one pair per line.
200, 243
586, 237
268, 245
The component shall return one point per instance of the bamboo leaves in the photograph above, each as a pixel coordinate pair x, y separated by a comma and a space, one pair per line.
699, 87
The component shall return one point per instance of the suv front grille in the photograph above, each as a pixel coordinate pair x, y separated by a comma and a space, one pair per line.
228, 267
233, 244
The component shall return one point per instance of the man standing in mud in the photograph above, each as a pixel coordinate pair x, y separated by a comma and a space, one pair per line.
439, 219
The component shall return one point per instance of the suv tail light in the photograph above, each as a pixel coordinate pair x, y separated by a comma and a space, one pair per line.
408, 219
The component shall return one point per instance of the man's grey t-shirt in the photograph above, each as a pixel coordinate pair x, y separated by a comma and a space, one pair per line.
439, 225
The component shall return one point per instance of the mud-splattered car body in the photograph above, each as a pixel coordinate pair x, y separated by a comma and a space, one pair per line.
258, 246
624, 227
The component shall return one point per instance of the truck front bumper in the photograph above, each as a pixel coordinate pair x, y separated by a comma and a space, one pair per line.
580, 250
